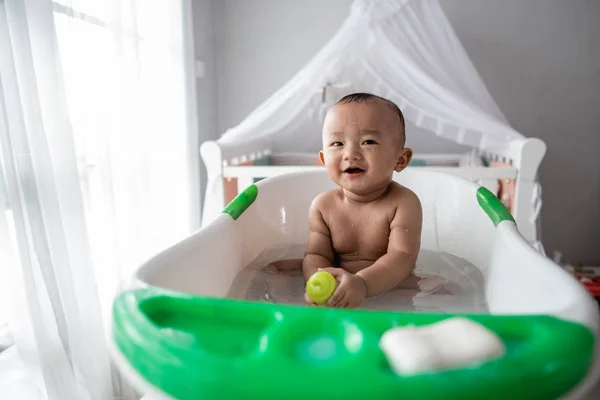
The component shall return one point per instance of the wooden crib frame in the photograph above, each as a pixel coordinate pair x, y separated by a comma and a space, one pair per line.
522, 158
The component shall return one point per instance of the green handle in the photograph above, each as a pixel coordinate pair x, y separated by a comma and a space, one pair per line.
241, 202
493, 207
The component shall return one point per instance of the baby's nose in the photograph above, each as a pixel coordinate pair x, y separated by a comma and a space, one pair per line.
352, 153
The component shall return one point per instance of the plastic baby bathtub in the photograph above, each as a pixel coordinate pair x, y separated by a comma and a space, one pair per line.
175, 335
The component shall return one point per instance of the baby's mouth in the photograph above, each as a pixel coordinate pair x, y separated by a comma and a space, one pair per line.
354, 171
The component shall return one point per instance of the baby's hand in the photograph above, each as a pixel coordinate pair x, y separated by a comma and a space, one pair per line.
308, 300
351, 290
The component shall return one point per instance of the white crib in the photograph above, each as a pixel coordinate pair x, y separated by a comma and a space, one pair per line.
225, 161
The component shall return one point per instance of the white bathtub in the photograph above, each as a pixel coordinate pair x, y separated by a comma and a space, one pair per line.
173, 331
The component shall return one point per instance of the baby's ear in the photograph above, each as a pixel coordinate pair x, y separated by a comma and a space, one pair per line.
404, 159
322, 157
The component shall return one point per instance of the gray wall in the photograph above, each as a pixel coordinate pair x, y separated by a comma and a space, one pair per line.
541, 62
539, 58
260, 44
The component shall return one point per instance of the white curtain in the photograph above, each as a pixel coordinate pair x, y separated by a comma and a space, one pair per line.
96, 124
405, 50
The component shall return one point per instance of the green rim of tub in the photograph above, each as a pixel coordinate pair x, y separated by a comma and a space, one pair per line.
193, 347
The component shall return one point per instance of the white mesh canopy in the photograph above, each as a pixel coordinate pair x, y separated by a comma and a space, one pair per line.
404, 50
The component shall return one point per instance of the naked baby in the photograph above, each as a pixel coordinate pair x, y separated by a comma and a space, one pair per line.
366, 232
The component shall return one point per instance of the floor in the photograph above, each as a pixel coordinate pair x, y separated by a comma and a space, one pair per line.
595, 394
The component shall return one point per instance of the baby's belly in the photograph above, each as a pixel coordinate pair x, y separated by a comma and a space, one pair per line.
355, 265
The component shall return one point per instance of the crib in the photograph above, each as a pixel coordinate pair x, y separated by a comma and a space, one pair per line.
508, 170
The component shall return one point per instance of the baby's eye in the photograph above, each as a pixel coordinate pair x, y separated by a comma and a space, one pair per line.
369, 141
336, 144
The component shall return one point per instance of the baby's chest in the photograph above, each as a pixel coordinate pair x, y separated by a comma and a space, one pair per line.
351, 233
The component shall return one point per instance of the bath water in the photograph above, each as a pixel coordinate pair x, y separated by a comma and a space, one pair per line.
447, 284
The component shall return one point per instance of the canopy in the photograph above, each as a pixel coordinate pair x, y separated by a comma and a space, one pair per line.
404, 50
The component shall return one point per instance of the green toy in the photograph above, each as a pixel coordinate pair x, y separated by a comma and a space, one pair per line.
320, 287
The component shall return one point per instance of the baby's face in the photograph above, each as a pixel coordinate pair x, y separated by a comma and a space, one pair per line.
362, 146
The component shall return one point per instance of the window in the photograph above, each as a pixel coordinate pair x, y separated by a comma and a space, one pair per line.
125, 90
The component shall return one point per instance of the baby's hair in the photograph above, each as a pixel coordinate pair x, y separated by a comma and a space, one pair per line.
367, 98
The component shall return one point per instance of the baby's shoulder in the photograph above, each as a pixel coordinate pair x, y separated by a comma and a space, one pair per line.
326, 200
401, 195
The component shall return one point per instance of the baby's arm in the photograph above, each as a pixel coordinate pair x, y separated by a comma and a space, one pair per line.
319, 251
403, 248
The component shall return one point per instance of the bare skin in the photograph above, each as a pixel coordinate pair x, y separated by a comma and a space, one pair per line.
369, 225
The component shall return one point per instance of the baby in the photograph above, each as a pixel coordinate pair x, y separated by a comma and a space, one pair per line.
366, 232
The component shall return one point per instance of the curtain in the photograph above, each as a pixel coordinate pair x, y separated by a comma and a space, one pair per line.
96, 122
404, 50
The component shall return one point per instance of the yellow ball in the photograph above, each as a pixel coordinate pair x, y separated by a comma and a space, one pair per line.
320, 287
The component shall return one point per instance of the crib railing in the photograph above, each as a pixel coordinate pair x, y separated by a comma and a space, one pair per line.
225, 161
